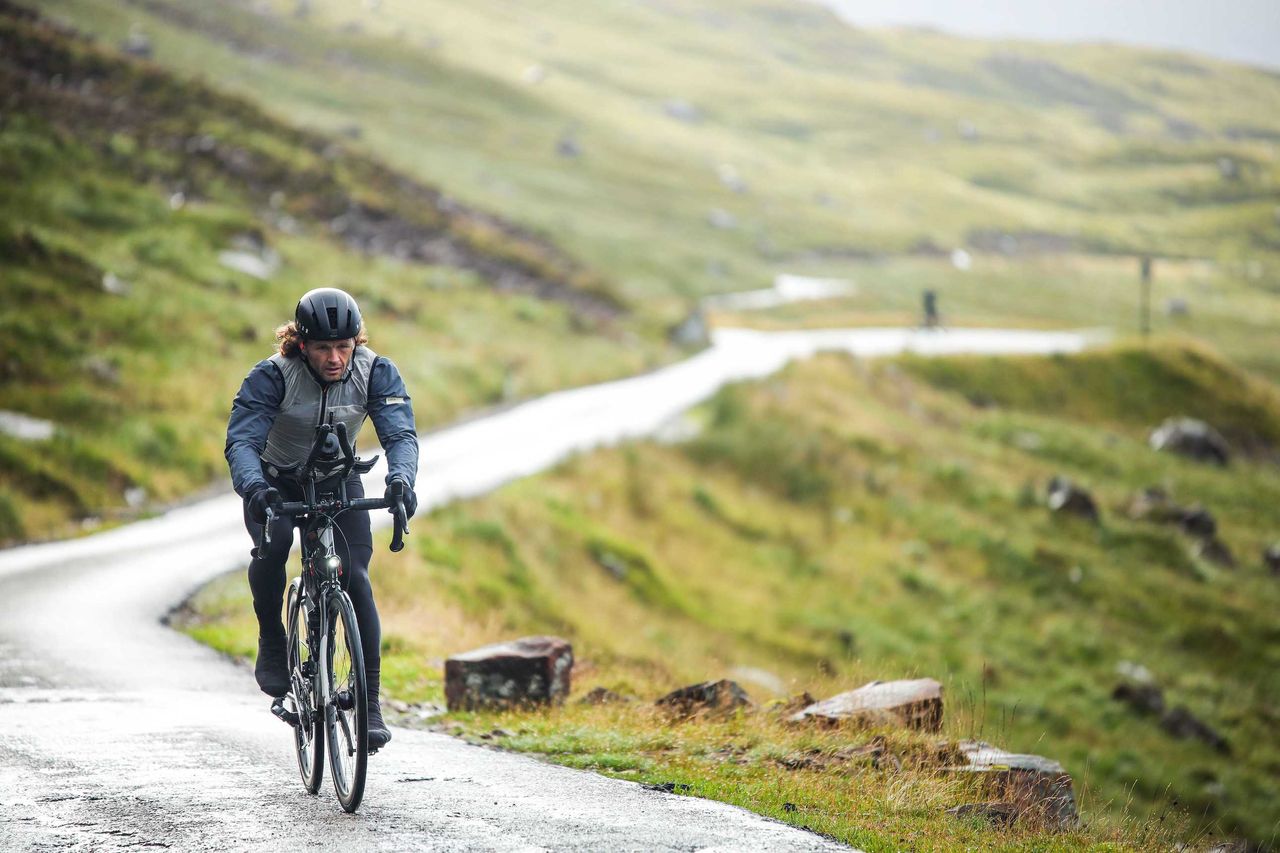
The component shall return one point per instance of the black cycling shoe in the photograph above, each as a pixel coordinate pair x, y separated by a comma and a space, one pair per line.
272, 668
379, 734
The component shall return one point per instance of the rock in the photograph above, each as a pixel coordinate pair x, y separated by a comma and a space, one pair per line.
568, 147
1034, 785
998, 814
1143, 698
730, 178
797, 703
682, 111
137, 44
720, 218
1193, 439
1135, 671
1177, 307
1181, 723
1154, 504
527, 671
875, 753
670, 787
916, 704
102, 369
721, 696
1065, 496
602, 696
692, 331
1214, 550
1237, 845
115, 285
1198, 521
1271, 559
24, 427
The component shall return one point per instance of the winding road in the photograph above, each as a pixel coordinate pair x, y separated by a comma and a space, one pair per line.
120, 733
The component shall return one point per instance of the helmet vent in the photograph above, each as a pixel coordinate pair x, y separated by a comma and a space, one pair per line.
333, 316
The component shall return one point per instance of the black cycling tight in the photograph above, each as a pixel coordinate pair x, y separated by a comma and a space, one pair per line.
354, 544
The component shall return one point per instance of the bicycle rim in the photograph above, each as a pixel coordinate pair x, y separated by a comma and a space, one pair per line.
347, 713
308, 739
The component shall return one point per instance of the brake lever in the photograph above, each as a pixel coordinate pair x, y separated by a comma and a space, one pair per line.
401, 517
401, 527
273, 500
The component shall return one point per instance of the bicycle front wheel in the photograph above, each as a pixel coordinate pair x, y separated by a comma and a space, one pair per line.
347, 712
308, 735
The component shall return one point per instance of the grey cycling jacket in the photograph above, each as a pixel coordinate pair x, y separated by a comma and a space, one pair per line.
281, 401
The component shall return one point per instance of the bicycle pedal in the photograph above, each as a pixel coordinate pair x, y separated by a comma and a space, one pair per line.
284, 714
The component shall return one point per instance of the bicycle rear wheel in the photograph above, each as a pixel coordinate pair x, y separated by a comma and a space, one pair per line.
347, 713
308, 735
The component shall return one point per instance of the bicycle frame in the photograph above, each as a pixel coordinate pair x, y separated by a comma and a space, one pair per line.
322, 602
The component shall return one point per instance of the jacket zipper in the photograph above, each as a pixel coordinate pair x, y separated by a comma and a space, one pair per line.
324, 400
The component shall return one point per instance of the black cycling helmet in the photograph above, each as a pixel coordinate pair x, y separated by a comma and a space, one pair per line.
327, 314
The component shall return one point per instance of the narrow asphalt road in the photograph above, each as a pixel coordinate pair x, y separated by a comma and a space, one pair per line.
120, 733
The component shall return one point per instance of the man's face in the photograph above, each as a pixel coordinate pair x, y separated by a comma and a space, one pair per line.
329, 359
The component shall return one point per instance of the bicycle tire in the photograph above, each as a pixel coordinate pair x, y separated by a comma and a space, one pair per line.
308, 735
347, 712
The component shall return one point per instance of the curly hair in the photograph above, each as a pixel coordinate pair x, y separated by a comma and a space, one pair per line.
289, 339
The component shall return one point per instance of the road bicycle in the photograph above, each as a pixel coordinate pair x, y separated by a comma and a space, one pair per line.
327, 703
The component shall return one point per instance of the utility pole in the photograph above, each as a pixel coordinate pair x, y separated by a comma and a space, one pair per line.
1144, 301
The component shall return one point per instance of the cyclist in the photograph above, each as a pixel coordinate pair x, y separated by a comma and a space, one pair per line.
323, 367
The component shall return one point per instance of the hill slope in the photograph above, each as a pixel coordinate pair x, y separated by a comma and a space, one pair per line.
847, 522
153, 234
699, 147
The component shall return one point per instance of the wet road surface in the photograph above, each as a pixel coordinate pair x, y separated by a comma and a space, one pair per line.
116, 732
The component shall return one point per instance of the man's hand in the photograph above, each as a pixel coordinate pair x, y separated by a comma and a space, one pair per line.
407, 495
259, 500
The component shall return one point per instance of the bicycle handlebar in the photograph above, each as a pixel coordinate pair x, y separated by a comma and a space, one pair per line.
291, 508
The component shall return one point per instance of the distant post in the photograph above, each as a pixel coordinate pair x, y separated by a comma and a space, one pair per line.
930, 309
1144, 302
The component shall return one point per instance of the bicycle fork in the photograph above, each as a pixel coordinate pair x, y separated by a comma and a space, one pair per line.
317, 640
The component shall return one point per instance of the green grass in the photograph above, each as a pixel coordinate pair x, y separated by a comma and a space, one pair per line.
901, 532
849, 141
138, 383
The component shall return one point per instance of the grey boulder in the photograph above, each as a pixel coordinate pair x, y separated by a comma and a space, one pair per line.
1193, 439
914, 703
1033, 785
524, 672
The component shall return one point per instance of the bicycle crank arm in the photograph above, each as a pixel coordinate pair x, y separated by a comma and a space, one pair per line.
283, 713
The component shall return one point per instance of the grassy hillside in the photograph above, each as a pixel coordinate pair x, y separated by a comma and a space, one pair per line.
849, 521
699, 147
130, 204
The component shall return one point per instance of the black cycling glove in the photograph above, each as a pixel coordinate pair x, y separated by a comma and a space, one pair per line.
410, 499
258, 501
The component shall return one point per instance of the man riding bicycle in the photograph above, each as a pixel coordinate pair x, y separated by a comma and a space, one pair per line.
323, 369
